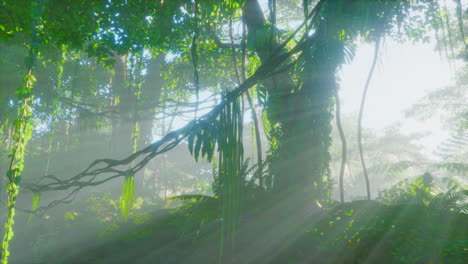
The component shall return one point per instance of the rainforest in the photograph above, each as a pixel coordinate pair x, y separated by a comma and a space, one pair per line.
233, 131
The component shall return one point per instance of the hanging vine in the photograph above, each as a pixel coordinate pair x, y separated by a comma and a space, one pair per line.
343, 143
194, 54
21, 136
241, 77
361, 113
230, 177
22, 129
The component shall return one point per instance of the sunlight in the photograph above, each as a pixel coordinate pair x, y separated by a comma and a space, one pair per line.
404, 74
232, 132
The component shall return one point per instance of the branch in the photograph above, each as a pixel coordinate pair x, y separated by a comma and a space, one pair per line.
223, 45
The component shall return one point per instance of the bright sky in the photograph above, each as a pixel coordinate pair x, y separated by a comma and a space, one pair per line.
404, 74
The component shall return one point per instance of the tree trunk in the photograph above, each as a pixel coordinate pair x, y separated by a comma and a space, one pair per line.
122, 126
303, 148
150, 95
301, 115
124, 100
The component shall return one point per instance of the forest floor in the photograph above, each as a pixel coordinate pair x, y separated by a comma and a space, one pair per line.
356, 232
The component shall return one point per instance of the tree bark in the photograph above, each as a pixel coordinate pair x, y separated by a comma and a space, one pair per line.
122, 126
150, 94
301, 115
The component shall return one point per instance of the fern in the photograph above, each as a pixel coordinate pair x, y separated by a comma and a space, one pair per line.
454, 167
191, 197
128, 196
34, 205
453, 199
423, 191
455, 149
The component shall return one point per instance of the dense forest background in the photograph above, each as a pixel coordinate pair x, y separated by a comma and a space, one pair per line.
204, 131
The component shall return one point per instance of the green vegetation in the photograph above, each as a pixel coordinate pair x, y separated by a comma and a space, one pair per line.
189, 131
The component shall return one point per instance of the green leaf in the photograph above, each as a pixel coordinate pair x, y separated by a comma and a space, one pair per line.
211, 150
10, 174
17, 180
34, 205
191, 197
266, 123
9, 234
198, 146
190, 139
70, 215
206, 145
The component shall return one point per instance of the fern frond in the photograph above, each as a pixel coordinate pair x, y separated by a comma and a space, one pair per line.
191, 197
454, 167
34, 205
127, 197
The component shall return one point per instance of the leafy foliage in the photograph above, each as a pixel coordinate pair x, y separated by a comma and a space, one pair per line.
128, 196
34, 205
111, 73
364, 231
423, 191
